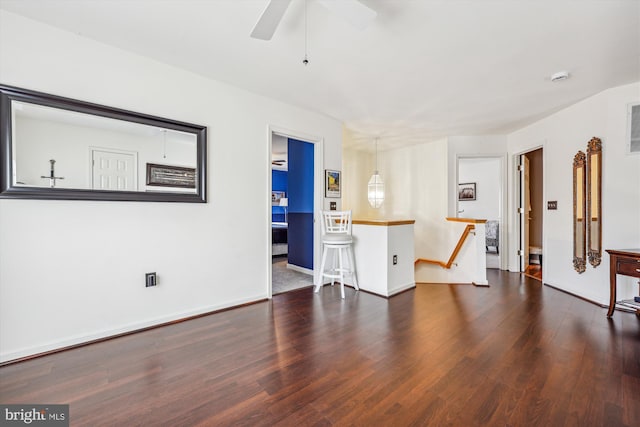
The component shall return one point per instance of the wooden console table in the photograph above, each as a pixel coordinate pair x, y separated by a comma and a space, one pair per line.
625, 262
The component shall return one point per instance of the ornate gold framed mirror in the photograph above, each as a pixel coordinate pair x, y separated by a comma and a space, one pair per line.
579, 212
594, 201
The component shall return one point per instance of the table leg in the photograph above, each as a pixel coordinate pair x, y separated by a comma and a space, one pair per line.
612, 285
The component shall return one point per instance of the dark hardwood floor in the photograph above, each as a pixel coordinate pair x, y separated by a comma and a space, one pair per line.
517, 353
534, 271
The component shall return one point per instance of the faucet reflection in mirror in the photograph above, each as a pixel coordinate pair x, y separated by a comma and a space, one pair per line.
52, 175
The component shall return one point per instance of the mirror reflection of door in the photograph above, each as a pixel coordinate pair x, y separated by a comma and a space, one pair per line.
113, 170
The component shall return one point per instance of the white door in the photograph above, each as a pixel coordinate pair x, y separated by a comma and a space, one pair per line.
114, 170
527, 210
524, 210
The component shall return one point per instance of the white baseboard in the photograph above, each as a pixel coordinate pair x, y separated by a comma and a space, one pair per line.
402, 288
300, 269
106, 333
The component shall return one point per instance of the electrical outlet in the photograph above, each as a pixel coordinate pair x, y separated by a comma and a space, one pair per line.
395, 259
150, 279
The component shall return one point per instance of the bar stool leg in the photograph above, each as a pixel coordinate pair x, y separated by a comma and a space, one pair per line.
341, 270
353, 267
322, 266
334, 269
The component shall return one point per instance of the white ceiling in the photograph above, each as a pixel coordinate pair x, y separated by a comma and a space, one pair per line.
423, 70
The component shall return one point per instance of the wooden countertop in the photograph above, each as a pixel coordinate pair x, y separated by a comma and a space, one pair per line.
384, 222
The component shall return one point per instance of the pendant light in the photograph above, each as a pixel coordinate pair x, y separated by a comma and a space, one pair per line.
375, 186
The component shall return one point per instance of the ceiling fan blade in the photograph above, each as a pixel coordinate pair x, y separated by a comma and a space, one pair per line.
268, 22
352, 11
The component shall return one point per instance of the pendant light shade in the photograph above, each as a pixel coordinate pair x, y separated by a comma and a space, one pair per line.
375, 190
375, 187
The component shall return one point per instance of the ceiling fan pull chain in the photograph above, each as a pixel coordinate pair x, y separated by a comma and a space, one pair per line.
305, 61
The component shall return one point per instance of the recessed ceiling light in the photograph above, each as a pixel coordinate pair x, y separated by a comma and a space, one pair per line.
560, 76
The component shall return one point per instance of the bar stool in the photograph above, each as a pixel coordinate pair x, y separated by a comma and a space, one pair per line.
336, 235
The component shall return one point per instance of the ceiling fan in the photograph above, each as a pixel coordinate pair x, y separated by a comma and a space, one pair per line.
352, 11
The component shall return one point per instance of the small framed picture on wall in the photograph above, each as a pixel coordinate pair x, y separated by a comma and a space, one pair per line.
467, 191
331, 183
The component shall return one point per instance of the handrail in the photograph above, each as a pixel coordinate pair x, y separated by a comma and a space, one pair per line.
454, 254
469, 220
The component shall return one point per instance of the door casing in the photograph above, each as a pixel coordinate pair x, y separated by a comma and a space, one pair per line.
318, 199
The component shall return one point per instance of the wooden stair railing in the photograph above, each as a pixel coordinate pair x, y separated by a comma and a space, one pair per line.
454, 254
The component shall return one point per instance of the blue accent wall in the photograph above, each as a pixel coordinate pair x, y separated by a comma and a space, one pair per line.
300, 177
278, 183
300, 214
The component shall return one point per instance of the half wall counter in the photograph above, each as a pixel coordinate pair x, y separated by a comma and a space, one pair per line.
384, 255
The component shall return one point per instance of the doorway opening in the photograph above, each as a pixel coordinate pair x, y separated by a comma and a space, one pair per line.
483, 177
295, 161
530, 213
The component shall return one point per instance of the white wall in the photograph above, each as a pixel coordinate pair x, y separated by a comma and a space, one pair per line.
410, 174
74, 270
562, 135
416, 187
412, 191
357, 167
485, 172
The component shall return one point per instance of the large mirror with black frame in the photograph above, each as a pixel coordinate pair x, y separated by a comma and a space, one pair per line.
594, 201
60, 148
579, 212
